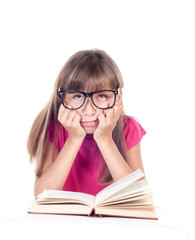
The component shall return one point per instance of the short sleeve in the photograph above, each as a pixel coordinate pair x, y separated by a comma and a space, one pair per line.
133, 132
56, 135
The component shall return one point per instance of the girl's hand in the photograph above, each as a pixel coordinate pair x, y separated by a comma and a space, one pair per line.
107, 122
70, 120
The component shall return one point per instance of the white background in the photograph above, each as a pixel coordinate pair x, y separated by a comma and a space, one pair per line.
152, 42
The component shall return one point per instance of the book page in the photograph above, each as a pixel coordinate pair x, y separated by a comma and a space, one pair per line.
141, 186
76, 209
137, 213
66, 196
126, 199
118, 185
127, 204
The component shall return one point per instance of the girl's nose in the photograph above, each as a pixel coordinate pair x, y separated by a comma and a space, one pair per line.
89, 108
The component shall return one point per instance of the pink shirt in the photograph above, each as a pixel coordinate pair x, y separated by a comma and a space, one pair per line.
83, 176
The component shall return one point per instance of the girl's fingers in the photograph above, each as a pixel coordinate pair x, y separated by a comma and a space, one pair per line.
110, 115
108, 111
114, 113
119, 103
101, 118
62, 114
76, 119
60, 110
70, 120
65, 116
70, 116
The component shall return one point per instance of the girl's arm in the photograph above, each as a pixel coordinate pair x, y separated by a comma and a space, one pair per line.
117, 165
57, 165
103, 136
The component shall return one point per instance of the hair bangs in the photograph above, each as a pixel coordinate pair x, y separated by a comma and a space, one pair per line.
92, 77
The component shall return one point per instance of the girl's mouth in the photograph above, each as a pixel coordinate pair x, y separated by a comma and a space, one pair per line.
90, 123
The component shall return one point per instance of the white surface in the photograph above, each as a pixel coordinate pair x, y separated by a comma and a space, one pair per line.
33, 226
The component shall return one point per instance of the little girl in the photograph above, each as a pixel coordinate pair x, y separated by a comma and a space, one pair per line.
81, 140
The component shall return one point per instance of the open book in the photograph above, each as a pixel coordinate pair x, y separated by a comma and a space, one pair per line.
130, 196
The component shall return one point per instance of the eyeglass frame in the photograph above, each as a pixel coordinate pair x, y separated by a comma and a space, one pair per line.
86, 95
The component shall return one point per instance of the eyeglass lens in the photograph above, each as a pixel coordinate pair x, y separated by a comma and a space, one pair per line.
101, 99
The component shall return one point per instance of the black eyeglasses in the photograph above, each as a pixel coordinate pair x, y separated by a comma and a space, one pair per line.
103, 99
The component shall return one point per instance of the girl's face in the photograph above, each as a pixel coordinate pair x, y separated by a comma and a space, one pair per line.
89, 115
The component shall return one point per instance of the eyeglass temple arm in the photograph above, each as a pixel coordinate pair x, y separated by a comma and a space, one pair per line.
59, 92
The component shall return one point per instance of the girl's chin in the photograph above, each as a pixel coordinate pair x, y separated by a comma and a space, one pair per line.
90, 130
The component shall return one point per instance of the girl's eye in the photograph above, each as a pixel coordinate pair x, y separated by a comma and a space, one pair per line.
101, 96
78, 97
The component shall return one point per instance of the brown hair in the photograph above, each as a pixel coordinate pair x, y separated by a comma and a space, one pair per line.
88, 69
